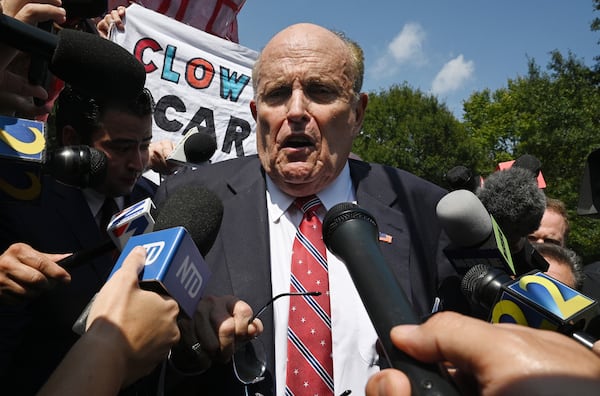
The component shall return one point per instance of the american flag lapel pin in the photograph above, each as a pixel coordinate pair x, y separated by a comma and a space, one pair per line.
383, 237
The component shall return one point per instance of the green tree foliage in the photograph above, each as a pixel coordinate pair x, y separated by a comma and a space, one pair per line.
553, 115
407, 129
595, 26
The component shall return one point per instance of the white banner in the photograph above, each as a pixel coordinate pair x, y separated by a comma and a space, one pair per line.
196, 79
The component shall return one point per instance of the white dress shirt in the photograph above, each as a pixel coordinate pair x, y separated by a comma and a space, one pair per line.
353, 335
95, 200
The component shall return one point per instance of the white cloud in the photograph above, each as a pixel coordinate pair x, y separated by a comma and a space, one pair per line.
405, 48
452, 76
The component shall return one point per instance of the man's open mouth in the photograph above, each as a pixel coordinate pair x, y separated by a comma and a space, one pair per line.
298, 142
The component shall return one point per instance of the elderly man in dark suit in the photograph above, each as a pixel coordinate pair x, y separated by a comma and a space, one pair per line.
40, 301
308, 108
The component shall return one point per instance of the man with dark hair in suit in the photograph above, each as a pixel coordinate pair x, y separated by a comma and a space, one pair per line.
39, 300
308, 108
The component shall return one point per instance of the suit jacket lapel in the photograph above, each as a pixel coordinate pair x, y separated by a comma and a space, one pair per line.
246, 227
245, 244
70, 205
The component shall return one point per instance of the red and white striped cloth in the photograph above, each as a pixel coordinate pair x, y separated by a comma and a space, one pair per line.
218, 17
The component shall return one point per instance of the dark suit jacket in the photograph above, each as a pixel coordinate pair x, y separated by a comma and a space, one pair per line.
591, 281
402, 204
34, 337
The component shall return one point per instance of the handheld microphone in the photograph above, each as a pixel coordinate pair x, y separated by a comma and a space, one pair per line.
173, 264
195, 148
351, 233
199, 148
78, 166
535, 300
134, 220
478, 239
197, 209
24, 158
189, 221
89, 62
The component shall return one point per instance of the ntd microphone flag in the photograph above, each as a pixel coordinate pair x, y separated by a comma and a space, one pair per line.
134, 220
174, 266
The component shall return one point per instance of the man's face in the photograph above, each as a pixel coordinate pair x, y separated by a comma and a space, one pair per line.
124, 138
560, 271
552, 229
305, 109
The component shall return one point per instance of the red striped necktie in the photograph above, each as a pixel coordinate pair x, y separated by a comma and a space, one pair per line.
309, 364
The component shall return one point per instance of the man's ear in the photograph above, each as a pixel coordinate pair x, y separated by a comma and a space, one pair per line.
253, 108
69, 136
360, 108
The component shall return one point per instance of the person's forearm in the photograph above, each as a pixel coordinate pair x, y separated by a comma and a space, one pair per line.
95, 365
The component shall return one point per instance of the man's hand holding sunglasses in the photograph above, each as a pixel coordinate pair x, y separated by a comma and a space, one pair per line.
218, 325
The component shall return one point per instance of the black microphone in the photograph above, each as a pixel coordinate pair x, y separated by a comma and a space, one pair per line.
535, 300
351, 233
199, 148
78, 166
89, 62
21, 180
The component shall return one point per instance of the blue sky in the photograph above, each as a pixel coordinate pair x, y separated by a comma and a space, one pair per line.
447, 48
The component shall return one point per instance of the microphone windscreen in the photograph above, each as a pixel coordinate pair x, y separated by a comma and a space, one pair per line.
97, 66
195, 208
199, 147
464, 218
512, 196
98, 166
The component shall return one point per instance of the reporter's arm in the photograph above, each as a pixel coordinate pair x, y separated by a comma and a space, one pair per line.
500, 359
159, 151
130, 331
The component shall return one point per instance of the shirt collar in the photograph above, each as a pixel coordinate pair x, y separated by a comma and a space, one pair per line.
340, 190
95, 200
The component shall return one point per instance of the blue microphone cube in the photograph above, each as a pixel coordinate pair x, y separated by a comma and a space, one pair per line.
174, 266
